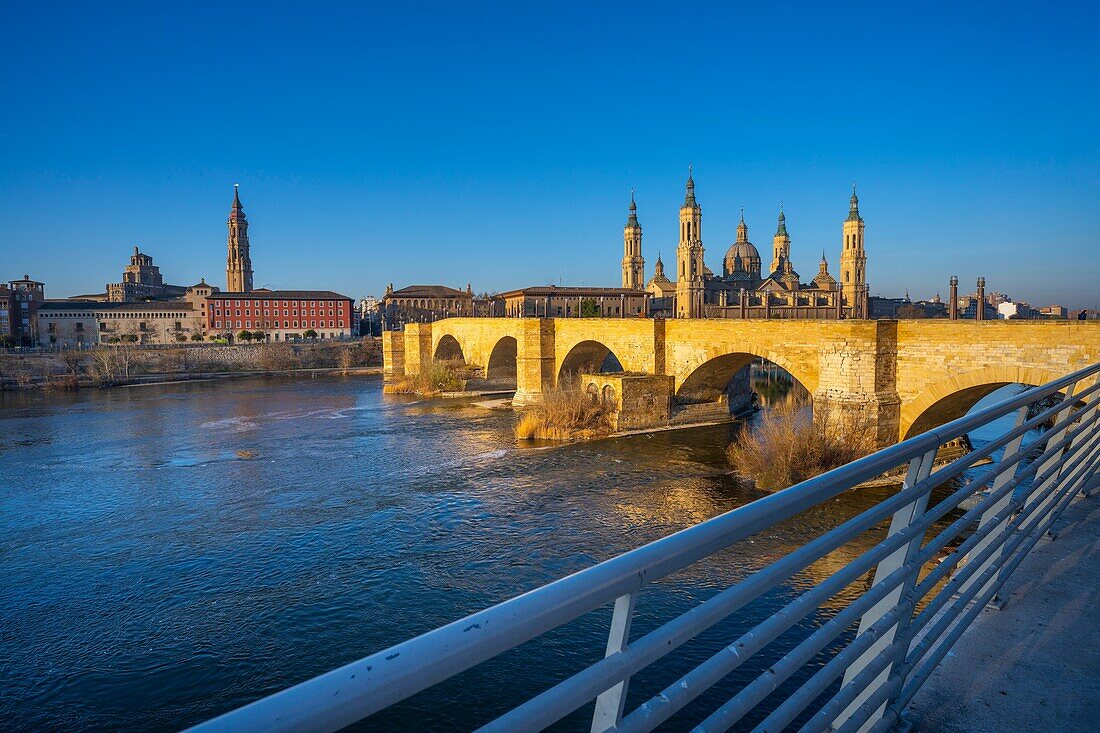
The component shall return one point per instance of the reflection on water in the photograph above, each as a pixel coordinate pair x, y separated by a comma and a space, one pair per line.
152, 577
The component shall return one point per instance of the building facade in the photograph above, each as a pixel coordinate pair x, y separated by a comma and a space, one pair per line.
141, 280
426, 303
743, 290
281, 315
7, 326
552, 301
25, 298
75, 324
238, 263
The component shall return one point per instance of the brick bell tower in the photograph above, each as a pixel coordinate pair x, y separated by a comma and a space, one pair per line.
238, 265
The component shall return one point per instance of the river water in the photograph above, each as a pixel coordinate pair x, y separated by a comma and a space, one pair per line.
170, 552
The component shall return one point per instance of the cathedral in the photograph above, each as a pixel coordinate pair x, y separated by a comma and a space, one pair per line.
743, 290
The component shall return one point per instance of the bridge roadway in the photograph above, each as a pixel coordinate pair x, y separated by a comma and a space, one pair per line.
1035, 664
907, 376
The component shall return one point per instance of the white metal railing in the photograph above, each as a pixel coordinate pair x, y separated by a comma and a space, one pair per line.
899, 640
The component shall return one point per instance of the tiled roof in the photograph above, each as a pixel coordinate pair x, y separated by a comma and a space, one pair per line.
78, 305
568, 291
427, 291
281, 294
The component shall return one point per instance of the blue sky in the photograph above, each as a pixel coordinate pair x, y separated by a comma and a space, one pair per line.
497, 143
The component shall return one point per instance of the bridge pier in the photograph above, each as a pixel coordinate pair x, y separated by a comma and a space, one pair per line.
534, 360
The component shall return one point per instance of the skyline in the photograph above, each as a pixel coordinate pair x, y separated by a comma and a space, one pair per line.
498, 146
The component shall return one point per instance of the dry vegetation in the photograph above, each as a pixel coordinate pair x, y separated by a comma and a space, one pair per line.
566, 413
788, 446
435, 378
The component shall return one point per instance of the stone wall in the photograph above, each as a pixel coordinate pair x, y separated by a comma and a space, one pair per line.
123, 362
638, 401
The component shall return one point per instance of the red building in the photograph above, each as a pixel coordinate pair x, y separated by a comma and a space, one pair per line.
280, 314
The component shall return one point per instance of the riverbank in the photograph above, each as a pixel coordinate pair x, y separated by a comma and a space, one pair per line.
116, 366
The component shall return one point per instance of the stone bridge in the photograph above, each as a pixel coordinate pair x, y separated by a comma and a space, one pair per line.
908, 376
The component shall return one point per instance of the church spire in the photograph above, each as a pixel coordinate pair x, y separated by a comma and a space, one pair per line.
742, 228
238, 264
781, 230
853, 207
689, 195
632, 219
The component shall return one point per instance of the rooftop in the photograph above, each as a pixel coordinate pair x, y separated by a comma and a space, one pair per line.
426, 291
101, 305
566, 291
283, 294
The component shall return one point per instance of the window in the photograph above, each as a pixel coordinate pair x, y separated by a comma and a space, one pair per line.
238, 324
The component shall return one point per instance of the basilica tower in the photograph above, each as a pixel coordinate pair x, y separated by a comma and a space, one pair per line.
689, 257
633, 264
781, 242
853, 262
238, 264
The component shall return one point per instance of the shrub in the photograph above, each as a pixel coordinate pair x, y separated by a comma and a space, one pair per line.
197, 337
61, 383
566, 413
245, 336
434, 377
789, 445
310, 334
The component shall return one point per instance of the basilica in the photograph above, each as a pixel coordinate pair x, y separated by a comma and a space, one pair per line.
743, 290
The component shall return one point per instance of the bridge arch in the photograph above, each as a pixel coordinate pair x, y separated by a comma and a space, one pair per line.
588, 357
951, 398
708, 381
448, 349
503, 359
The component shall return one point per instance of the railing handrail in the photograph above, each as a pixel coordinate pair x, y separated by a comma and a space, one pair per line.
388, 676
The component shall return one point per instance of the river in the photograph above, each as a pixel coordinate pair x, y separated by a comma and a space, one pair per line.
170, 552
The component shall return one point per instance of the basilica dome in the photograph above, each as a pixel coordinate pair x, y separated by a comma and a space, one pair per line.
742, 255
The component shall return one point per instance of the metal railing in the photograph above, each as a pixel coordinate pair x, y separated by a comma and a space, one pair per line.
908, 618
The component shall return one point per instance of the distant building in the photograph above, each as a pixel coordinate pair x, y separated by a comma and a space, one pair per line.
744, 289
903, 308
7, 307
282, 315
141, 280
1054, 311
425, 303
369, 316
1085, 314
1010, 310
553, 301
26, 297
74, 323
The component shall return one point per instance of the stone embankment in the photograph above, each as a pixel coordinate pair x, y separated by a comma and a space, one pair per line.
118, 365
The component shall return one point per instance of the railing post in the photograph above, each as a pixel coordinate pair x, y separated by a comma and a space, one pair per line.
919, 469
609, 705
1050, 463
1081, 441
1001, 479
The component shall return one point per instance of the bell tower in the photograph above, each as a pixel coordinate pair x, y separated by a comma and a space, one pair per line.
689, 257
853, 262
633, 264
781, 242
238, 264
